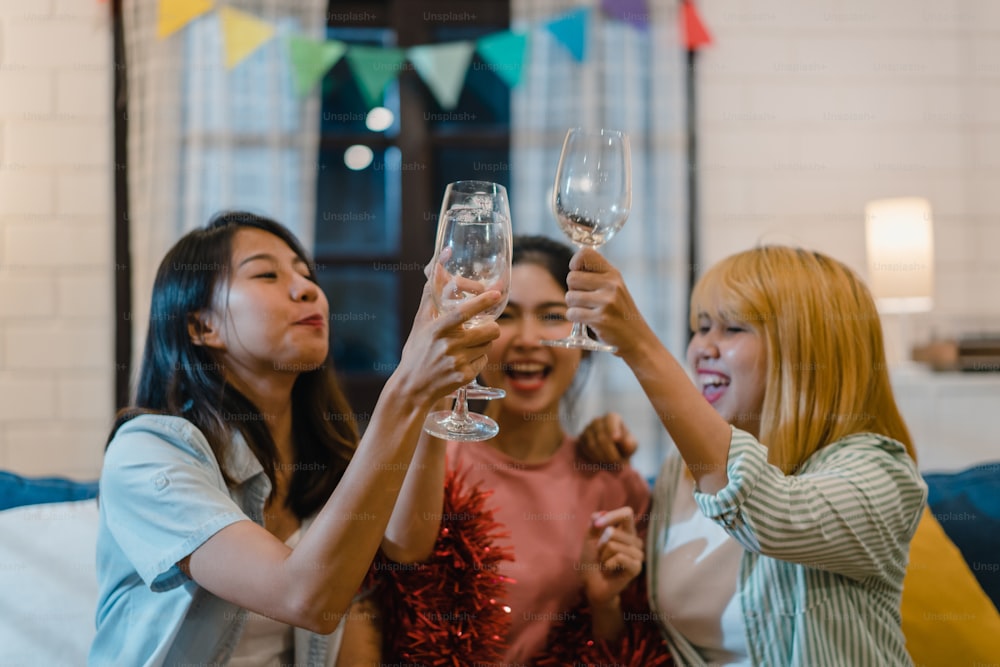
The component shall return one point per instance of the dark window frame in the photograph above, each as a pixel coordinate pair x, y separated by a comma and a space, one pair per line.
417, 141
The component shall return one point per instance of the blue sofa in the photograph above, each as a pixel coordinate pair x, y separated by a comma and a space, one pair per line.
17, 491
966, 504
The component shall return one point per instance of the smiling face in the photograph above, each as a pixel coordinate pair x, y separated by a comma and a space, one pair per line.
271, 317
729, 361
534, 376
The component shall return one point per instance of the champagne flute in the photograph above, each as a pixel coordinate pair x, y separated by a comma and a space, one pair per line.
472, 254
591, 201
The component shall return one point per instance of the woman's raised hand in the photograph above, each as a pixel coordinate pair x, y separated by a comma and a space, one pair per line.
440, 354
598, 297
612, 556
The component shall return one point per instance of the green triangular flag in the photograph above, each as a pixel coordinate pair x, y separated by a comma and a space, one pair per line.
571, 29
443, 68
373, 68
312, 59
504, 53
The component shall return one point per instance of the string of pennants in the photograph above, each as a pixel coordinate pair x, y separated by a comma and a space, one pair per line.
442, 67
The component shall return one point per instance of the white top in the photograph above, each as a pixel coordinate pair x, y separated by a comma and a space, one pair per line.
699, 566
266, 642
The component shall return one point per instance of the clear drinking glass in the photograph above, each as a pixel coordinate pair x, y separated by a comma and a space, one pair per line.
472, 254
591, 201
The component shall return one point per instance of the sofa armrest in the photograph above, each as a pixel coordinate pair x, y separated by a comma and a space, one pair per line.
967, 505
17, 490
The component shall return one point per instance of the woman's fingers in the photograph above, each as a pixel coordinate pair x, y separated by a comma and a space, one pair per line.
618, 547
596, 442
622, 518
469, 308
606, 439
589, 260
441, 353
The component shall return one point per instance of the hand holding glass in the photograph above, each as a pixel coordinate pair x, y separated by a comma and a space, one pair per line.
591, 200
472, 255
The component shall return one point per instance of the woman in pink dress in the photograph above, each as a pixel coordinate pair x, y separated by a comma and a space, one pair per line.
536, 546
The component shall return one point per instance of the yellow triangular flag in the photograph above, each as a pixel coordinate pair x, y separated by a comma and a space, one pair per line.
242, 34
172, 15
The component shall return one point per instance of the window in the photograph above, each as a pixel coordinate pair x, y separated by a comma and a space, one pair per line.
375, 225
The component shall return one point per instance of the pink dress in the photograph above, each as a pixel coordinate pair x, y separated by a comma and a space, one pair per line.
547, 508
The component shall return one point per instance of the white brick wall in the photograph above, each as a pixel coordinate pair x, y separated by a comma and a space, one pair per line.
56, 216
808, 110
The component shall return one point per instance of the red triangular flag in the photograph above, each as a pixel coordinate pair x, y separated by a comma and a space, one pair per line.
695, 34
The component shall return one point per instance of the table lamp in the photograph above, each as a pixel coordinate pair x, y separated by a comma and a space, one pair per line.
899, 240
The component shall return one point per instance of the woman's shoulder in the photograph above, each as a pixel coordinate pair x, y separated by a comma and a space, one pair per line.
874, 444
865, 450
156, 430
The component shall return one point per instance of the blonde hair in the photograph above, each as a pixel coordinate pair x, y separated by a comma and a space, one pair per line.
826, 373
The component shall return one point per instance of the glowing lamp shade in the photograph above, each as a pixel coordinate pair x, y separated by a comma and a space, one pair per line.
899, 238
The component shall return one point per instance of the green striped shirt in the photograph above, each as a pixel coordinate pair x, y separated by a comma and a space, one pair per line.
821, 577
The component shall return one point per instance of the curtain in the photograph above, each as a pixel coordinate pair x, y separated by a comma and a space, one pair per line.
202, 138
632, 80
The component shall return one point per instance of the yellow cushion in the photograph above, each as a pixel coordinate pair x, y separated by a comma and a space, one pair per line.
947, 618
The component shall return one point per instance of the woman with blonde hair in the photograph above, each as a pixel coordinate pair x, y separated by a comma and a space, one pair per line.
781, 525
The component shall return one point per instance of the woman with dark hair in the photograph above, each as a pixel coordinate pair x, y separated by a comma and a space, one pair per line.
236, 499
536, 546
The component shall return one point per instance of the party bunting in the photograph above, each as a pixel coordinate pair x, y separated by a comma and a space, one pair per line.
172, 15
242, 34
443, 68
571, 30
695, 34
312, 59
504, 53
633, 12
373, 68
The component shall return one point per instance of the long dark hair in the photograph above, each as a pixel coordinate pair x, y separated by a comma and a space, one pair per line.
182, 379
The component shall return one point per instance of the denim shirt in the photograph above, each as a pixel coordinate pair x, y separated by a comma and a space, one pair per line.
162, 495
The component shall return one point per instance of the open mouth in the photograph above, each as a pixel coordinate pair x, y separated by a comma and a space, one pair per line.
526, 376
713, 386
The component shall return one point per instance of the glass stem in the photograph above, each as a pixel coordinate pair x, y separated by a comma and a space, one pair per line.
460, 413
577, 331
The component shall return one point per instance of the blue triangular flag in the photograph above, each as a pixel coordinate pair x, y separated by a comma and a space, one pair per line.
571, 30
504, 53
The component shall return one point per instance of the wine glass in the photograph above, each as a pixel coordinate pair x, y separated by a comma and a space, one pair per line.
472, 254
591, 200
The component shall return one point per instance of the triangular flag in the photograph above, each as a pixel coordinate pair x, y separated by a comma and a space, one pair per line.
242, 34
695, 34
633, 12
172, 15
373, 68
312, 59
571, 30
504, 53
443, 68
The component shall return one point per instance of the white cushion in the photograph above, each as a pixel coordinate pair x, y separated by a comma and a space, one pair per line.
49, 583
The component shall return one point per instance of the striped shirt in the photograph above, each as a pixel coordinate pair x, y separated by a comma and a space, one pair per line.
825, 550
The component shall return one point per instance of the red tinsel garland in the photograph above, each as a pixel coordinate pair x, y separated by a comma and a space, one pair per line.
448, 611
642, 644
